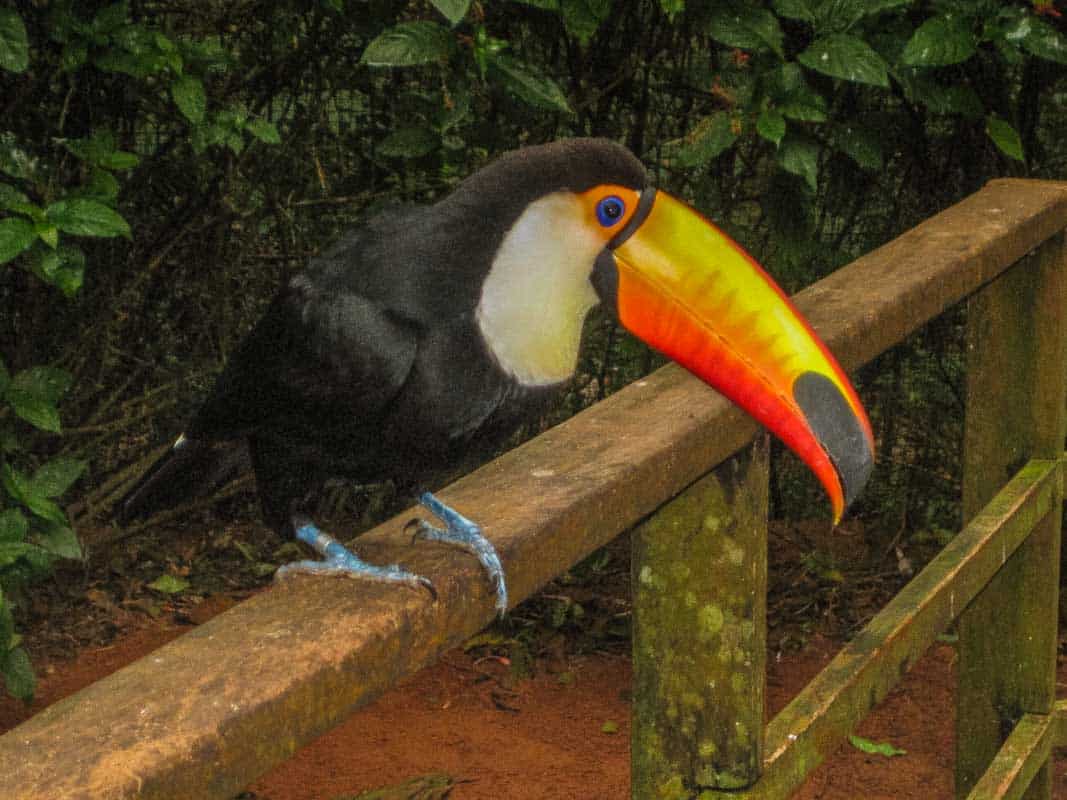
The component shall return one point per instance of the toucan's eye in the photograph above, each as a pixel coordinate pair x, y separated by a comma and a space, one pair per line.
610, 210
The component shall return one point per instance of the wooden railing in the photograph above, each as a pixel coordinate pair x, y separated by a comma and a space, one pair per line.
206, 714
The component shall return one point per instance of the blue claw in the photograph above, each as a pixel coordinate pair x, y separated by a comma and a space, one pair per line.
339, 560
461, 532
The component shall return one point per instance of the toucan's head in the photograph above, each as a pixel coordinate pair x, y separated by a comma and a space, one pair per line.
579, 223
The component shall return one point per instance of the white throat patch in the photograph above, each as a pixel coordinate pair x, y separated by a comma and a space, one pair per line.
537, 294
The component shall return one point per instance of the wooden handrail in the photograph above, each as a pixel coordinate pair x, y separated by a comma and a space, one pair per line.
206, 714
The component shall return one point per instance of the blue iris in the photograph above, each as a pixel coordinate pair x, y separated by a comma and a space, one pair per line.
610, 210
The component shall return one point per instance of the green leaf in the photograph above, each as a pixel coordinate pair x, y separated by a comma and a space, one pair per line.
454, 10
672, 8
118, 159
792, 96
746, 27
872, 7
34, 410
33, 395
860, 144
938, 42
802, 110
412, 142
582, 18
13, 525
10, 552
841, 15
14, 46
74, 55
7, 628
800, 156
10, 197
408, 44
102, 184
18, 675
526, 83
83, 217
100, 151
54, 477
189, 97
47, 233
169, 584
16, 236
875, 748
1046, 42
771, 125
63, 267
840, 55
485, 48
110, 18
794, 9
940, 99
1005, 137
22, 489
48, 383
60, 541
264, 130
708, 140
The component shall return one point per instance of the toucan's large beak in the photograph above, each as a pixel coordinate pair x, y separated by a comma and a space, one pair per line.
683, 286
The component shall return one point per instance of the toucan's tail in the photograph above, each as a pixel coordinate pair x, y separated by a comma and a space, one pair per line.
190, 468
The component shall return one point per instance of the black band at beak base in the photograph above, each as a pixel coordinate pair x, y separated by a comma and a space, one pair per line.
605, 277
605, 280
644, 206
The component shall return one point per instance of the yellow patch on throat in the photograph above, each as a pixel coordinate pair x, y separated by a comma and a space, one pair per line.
537, 293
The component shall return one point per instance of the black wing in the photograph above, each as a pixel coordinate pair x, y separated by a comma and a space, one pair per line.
307, 388
314, 356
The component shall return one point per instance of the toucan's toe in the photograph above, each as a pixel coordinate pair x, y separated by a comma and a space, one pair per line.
461, 532
339, 560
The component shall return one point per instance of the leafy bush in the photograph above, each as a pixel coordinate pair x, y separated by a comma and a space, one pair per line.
55, 191
150, 204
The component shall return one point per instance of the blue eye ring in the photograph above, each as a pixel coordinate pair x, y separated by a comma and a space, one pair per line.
610, 210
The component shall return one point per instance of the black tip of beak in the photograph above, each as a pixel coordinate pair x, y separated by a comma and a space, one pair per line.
837, 429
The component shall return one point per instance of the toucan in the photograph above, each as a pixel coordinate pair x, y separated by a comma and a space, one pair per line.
425, 337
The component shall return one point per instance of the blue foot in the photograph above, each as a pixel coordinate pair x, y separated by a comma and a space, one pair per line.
339, 560
461, 532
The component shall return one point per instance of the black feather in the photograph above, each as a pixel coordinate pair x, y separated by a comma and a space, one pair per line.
188, 469
370, 364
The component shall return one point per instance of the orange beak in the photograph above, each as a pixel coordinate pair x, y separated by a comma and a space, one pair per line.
685, 288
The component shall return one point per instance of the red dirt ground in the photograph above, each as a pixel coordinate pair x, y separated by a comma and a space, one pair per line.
544, 737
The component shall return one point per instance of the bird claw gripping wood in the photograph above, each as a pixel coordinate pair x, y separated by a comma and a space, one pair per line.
339, 560
461, 532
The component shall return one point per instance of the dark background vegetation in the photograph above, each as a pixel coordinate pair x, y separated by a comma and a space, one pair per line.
166, 164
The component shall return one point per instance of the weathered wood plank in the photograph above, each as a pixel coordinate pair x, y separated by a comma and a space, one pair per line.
699, 635
1060, 717
815, 723
1017, 370
206, 714
1025, 751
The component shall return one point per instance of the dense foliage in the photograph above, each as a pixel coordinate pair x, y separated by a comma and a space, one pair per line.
164, 164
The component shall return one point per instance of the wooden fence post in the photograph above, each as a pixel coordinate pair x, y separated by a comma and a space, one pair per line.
1017, 365
699, 634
